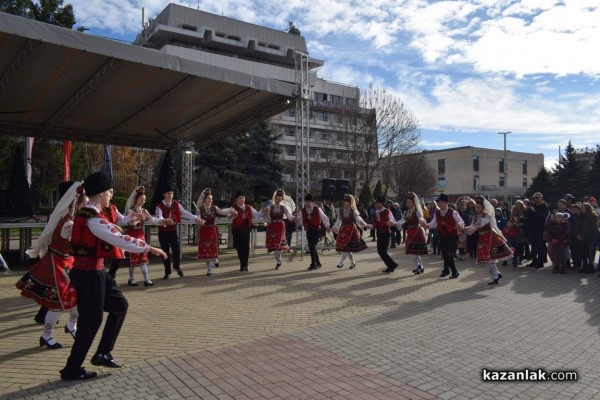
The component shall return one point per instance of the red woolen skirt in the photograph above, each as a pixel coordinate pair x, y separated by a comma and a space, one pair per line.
416, 241
208, 242
349, 240
137, 259
492, 248
48, 284
276, 236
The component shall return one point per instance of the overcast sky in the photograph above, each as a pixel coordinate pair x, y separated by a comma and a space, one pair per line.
467, 69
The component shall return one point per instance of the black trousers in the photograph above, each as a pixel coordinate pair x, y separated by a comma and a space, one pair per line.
448, 248
170, 239
114, 266
312, 237
383, 243
97, 293
241, 243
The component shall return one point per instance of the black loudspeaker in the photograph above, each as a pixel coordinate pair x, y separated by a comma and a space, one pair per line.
342, 187
328, 189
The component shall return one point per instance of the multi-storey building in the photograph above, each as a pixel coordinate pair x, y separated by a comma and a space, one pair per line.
335, 115
470, 170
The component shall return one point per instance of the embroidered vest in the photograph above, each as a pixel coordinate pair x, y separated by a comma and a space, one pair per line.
208, 215
244, 217
170, 212
347, 219
85, 244
313, 221
110, 213
380, 221
446, 225
276, 215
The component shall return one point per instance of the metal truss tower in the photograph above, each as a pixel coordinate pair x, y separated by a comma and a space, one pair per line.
302, 116
187, 171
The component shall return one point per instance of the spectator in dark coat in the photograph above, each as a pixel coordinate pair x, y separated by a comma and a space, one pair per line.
536, 220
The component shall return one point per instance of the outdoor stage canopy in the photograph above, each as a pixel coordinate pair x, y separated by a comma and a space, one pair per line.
63, 84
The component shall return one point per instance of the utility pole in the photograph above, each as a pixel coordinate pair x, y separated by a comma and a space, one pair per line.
505, 167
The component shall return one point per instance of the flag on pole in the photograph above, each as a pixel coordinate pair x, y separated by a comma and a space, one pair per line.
108, 161
67, 160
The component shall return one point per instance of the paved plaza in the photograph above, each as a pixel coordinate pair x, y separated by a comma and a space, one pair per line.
325, 334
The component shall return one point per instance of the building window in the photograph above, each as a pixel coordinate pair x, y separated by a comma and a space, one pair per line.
341, 155
321, 116
441, 166
336, 99
476, 164
501, 181
524, 167
324, 153
320, 97
290, 150
441, 184
501, 166
338, 118
525, 182
476, 183
324, 135
351, 102
289, 131
291, 112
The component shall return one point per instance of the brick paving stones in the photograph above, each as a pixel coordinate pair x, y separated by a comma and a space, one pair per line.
325, 334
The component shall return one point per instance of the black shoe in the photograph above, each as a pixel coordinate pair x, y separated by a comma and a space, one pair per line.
131, 282
55, 345
79, 375
340, 266
495, 281
72, 333
179, 272
444, 274
216, 265
246, 269
454, 276
388, 270
209, 273
278, 266
352, 266
419, 270
319, 266
312, 267
166, 276
148, 283
105, 360
531, 264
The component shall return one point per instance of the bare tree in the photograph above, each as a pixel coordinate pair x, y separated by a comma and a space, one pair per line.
411, 172
375, 130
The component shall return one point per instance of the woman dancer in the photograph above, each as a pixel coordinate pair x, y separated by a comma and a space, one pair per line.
47, 283
491, 245
276, 228
416, 240
349, 240
208, 236
135, 229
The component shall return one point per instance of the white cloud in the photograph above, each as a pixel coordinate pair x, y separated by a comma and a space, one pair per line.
426, 143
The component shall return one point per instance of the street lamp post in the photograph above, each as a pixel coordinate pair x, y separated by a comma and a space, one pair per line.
504, 166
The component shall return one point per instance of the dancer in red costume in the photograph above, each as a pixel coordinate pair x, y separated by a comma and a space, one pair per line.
416, 239
276, 228
348, 239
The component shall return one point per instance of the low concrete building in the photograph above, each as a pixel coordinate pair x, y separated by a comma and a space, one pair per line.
475, 170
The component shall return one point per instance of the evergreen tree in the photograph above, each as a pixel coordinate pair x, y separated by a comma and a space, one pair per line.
48, 11
167, 176
21, 8
366, 197
18, 200
379, 190
541, 183
593, 175
568, 177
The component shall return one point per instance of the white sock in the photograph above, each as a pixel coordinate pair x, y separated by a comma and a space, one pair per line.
49, 324
209, 264
494, 271
351, 256
418, 261
73, 316
344, 255
131, 270
145, 272
278, 256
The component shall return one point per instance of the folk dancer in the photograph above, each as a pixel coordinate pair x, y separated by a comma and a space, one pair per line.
415, 240
167, 235
208, 234
382, 221
447, 221
94, 238
242, 223
47, 283
348, 239
276, 240
311, 217
491, 245
135, 229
